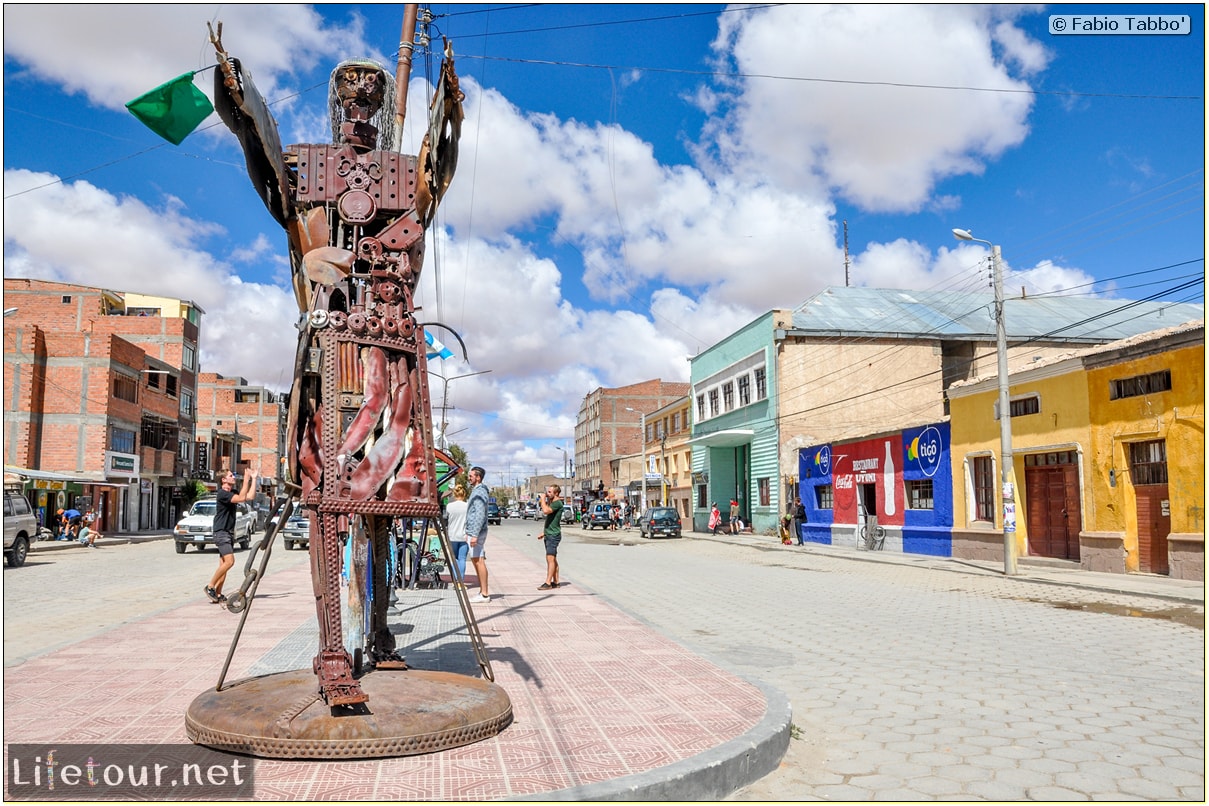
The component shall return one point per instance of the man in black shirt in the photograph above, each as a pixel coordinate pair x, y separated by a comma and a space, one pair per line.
224, 528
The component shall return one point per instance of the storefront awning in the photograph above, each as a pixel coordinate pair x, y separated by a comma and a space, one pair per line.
45, 475
729, 438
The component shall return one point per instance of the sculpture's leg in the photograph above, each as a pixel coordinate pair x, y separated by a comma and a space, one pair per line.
382, 640
333, 664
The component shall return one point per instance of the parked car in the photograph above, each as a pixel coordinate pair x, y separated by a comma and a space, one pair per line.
493, 514
598, 514
659, 522
529, 511
568, 515
297, 532
197, 528
20, 526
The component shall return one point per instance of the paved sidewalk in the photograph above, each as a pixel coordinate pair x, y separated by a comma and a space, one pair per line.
1029, 570
604, 707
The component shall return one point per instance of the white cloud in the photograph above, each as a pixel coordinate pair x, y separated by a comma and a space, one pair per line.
832, 121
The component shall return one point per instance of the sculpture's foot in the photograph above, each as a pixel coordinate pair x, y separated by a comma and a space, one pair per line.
390, 660
336, 682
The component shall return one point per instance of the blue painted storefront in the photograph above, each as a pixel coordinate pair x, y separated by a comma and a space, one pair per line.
870, 476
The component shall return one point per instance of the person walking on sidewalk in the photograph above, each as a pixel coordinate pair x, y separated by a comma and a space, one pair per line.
799, 520
476, 530
552, 506
224, 529
455, 527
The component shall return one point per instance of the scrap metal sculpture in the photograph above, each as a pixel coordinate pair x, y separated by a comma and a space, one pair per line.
359, 423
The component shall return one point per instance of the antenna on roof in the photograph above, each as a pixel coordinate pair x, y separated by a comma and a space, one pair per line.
846, 262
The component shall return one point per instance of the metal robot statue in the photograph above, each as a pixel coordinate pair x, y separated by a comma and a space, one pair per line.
359, 425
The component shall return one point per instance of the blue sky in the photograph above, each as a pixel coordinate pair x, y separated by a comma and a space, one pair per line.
636, 181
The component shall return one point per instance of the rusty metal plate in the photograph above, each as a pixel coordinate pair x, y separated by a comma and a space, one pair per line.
410, 712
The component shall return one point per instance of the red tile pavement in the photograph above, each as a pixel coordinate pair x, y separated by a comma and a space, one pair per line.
596, 695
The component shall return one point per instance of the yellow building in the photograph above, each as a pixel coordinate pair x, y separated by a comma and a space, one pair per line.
1108, 451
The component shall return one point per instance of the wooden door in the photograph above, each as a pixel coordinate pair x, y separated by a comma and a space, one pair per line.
1054, 518
1154, 525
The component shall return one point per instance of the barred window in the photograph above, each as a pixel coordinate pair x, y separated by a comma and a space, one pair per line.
761, 385
125, 388
728, 395
983, 470
701, 407
159, 434
713, 402
824, 497
1025, 405
1148, 462
765, 492
1140, 385
919, 494
744, 390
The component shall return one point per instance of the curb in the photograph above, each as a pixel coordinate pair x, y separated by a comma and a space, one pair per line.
712, 775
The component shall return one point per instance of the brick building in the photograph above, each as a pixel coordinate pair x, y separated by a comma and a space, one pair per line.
609, 426
100, 391
231, 412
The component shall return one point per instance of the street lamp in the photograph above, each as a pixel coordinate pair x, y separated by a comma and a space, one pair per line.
1005, 411
642, 414
444, 397
564, 450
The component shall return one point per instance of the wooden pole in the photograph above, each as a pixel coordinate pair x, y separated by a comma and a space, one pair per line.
403, 69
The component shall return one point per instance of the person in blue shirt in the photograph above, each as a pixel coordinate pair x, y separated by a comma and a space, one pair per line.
476, 529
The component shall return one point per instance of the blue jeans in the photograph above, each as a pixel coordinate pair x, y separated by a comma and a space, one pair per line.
460, 549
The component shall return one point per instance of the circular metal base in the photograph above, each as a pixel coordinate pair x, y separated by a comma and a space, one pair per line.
410, 712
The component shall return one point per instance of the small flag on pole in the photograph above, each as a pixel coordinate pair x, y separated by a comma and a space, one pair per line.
437, 349
172, 110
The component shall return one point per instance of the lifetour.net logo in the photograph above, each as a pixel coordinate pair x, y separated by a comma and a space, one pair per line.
89, 772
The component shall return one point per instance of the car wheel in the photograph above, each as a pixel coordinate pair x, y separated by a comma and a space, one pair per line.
15, 556
180, 547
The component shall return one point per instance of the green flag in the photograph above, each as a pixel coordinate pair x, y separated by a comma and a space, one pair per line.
172, 110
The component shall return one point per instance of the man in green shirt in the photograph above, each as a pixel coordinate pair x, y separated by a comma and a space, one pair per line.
552, 506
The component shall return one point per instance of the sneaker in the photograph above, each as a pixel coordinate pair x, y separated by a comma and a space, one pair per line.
213, 594
481, 598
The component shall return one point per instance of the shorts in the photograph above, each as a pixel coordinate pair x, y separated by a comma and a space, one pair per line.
552, 542
223, 542
476, 549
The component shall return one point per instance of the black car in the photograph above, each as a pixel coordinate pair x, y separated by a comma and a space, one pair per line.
660, 522
493, 514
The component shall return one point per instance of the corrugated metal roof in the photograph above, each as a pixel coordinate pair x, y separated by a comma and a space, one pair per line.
841, 311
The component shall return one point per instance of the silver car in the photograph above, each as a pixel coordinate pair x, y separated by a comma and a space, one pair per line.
20, 526
297, 532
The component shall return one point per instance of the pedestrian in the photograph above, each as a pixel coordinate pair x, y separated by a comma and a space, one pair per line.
615, 514
715, 518
552, 505
735, 523
71, 523
455, 527
224, 528
799, 520
88, 538
476, 530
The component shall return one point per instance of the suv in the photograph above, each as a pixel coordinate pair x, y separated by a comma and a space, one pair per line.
659, 522
598, 514
493, 514
297, 532
20, 526
197, 528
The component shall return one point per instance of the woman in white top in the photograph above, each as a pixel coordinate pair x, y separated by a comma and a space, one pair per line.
455, 527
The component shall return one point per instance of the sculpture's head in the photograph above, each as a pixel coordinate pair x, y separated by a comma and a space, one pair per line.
359, 93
